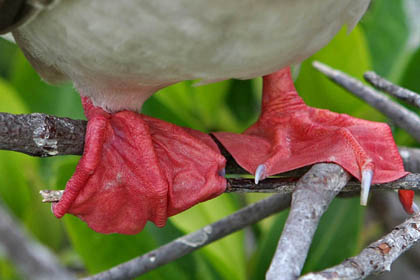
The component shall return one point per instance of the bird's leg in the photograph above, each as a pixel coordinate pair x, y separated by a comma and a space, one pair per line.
289, 134
137, 168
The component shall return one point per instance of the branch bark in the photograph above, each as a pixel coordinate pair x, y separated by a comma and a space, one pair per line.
193, 241
44, 135
388, 87
41, 135
284, 186
377, 257
33, 260
311, 198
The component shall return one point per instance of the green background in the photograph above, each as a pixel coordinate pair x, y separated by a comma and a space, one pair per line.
387, 41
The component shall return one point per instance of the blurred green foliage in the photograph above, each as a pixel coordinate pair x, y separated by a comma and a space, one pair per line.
385, 41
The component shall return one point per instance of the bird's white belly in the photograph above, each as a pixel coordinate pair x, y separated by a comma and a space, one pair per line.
120, 52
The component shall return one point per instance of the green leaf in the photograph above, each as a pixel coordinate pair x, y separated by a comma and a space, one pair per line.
387, 33
15, 169
7, 270
410, 77
40, 97
20, 181
227, 255
349, 54
198, 107
244, 101
6, 48
337, 236
267, 244
155, 108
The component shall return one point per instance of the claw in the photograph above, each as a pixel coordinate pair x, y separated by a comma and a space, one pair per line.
406, 198
367, 175
259, 173
415, 208
222, 172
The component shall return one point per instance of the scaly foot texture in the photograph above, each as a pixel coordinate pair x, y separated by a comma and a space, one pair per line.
137, 169
289, 134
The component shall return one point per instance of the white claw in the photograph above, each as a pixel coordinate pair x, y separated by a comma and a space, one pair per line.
415, 208
222, 172
366, 182
259, 173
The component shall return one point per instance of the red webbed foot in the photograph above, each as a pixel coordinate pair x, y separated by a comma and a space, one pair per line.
289, 134
136, 168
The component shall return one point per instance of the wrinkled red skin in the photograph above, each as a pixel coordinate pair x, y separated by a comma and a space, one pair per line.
289, 134
136, 168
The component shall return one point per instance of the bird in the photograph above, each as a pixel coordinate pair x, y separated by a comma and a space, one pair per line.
117, 54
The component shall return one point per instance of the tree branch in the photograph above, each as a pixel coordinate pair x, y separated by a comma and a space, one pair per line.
401, 116
44, 135
284, 186
193, 241
388, 87
313, 193
387, 209
41, 135
411, 158
377, 257
33, 260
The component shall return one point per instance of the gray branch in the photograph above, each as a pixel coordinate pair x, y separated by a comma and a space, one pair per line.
377, 257
41, 135
388, 87
387, 209
44, 135
193, 241
33, 260
284, 186
411, 158
313, 193
402, 117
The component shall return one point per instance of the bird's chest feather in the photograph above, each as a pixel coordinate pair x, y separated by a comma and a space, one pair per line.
136, 47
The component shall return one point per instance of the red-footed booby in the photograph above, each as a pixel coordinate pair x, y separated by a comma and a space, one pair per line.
118, 53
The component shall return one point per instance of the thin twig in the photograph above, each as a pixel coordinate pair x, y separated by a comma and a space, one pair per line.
193, 241
402, 117
411, 158
377, 257
388, 210
388, 87
283, 185
33, 259
45, 135
313, 193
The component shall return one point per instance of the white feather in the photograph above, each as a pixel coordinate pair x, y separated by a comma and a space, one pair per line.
121, 52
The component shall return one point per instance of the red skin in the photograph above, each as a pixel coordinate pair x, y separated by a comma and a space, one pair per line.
406, 199
137, 169
289, 134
